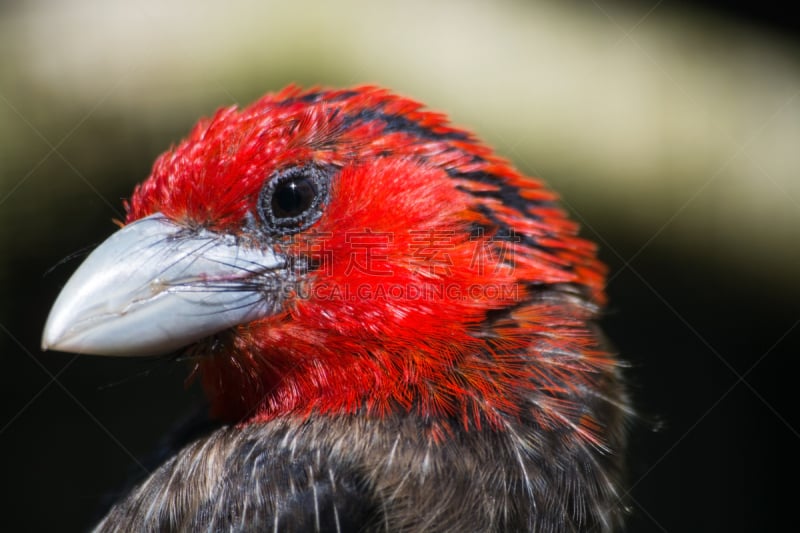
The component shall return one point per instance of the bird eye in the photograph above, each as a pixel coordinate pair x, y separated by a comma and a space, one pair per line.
292, 199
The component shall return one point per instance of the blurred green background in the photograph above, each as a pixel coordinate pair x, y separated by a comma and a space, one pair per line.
671, 130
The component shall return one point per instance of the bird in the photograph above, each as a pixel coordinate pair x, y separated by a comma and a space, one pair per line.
395, 329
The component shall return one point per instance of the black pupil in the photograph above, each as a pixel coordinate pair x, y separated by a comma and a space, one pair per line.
293, 197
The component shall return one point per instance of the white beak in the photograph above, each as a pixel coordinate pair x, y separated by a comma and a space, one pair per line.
154, 286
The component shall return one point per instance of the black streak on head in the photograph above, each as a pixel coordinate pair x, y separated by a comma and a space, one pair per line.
401, 124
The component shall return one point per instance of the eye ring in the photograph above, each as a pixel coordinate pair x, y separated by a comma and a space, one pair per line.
293, 199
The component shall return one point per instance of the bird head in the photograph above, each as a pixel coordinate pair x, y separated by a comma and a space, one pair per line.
341, 252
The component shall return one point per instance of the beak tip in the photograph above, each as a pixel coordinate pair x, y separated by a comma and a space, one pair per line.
53, 332
50, 339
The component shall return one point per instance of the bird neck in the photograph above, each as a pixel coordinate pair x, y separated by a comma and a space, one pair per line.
529, 359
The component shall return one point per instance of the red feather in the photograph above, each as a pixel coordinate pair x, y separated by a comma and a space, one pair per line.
391, 318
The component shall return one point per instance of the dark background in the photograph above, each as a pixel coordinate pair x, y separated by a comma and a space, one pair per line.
703, 290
